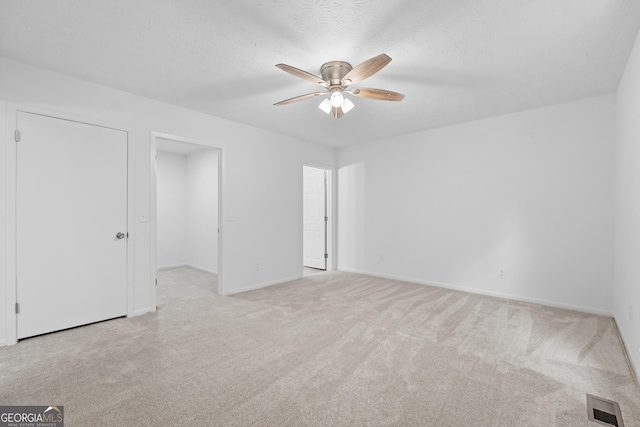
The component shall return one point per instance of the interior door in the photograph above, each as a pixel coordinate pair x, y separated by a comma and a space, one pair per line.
71, 224
315, 218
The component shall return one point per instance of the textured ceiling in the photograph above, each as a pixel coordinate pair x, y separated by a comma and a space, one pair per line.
455, 60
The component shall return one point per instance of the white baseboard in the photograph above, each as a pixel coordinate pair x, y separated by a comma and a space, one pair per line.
170, 266
259, 286
206, 270
477, 291
630, 352
140, 312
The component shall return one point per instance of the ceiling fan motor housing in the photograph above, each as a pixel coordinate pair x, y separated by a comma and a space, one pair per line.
334, 71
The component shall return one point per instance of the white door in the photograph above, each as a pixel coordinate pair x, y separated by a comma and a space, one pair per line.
315, 218
71, 205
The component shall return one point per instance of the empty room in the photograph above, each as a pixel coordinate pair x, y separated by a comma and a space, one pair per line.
320, 213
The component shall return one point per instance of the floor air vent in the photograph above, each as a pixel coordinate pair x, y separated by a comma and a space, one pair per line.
603, 411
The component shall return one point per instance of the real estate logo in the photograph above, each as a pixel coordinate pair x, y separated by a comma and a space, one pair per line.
31, 416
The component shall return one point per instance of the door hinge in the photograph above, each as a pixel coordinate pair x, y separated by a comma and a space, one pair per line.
17, 136
326, 218
156, 282
326, 256
17, 308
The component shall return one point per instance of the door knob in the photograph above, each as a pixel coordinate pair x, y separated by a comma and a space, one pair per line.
120, 235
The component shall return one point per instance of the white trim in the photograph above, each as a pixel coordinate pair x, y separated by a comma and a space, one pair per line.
56, 114
206, 270
634, 367
153, 206
10, 227
153, 221
261, 285
172, 266
131, 227
317, 165
332, 213
4, 249
512, 297
12, 110
139, 312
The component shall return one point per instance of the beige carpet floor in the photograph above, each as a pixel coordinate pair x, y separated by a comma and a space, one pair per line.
330, 349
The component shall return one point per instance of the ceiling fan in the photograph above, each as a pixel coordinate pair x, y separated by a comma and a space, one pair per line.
336, 77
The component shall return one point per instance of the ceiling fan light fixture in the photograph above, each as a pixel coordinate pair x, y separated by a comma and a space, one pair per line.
347, 105
337, 99
336, 77
325, 106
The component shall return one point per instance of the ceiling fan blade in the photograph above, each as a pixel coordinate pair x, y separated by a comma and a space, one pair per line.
303, 74
366, 69
299, 98
377, 94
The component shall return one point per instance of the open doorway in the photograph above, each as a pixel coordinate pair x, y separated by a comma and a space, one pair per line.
316, 219
186, 212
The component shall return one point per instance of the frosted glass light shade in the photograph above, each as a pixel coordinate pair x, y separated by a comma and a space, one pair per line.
325, 106
337, 99
347, 105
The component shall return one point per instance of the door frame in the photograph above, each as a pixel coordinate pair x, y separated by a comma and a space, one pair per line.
330, 209
153, 205
11, 213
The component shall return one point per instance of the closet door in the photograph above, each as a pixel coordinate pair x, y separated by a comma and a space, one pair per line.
71, 224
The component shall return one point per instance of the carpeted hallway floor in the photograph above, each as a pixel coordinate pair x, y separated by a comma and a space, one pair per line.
330, 349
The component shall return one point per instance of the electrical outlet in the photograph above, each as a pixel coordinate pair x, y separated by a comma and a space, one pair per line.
257, 266
502, 274
381, 257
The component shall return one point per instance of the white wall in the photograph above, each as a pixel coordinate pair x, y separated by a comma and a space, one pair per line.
626, 290
187, 187
202, 210
261, 176
172, 208
530, 193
